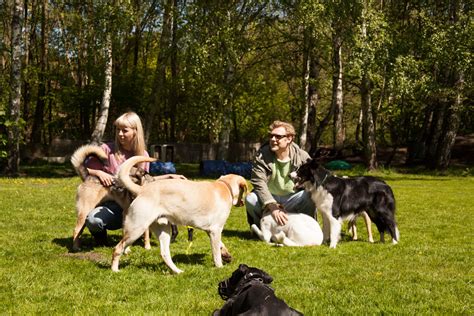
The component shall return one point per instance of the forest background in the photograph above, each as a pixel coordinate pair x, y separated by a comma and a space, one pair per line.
356, 75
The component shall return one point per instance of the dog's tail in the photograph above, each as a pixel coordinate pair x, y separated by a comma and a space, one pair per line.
80, 155
124, 173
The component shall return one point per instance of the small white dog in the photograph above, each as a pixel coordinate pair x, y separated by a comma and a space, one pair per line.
300, 230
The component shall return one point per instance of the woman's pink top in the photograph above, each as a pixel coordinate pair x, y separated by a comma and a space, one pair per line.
113, 164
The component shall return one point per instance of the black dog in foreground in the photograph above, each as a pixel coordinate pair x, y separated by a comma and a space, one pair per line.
340, 198
247, 292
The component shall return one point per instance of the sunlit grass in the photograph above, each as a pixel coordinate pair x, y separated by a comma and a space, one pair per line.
429, 272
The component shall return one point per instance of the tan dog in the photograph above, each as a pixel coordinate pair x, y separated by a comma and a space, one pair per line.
368, 224
201, 204
91, 192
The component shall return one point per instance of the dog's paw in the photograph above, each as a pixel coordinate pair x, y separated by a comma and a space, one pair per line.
115, 266
254, 229
226, 257
279, 237
128, 250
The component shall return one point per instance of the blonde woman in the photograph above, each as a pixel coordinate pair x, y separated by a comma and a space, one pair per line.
129, 142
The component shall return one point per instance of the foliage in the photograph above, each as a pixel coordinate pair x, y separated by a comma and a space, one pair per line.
428, 272
239, 65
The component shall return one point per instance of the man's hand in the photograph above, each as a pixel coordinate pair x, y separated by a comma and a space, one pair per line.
278, 213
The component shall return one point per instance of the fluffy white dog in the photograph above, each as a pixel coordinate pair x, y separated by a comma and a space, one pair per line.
300, 230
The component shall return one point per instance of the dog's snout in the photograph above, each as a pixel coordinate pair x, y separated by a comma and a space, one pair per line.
296, 180
224, 290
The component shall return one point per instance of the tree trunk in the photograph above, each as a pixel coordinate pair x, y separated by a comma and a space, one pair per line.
451, 119
450, 128
157, 97
358, 127
38, 121
15, 95
313, 99
368, 122
306, 98
368, 126
29, 42
173, 99
417, 145
226, 124
435, 133
325, 121
339, 134
105, 105
224, 136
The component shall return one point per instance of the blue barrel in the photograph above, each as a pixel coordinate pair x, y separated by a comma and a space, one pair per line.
160, 168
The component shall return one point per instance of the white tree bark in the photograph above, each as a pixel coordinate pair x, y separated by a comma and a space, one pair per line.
105, 105
15, 94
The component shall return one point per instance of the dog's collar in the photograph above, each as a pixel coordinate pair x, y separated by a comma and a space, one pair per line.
324, 180
228, 187
250, 283
249, 280
255, 276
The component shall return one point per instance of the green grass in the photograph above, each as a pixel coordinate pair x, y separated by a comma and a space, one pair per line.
429, 272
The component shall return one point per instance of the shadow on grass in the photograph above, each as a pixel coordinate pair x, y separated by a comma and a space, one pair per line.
43, 169
88, 243
88, 246
238, 233
193, 259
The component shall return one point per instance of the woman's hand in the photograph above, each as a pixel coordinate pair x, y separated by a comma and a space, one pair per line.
105, 178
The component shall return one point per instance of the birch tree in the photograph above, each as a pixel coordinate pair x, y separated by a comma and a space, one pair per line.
105, 104
368, 124
14, 122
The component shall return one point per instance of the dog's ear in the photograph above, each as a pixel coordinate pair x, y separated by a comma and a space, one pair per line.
243, 268
267, 278
261, 274
314, 163
243, 188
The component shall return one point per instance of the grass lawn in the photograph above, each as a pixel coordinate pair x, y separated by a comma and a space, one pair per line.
429, 272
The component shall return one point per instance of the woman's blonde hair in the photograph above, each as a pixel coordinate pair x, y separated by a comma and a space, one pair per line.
130, 120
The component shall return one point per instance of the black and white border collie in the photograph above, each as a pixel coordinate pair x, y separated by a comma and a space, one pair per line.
340, 198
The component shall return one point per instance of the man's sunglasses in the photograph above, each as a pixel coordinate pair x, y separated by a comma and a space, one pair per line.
277, 137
